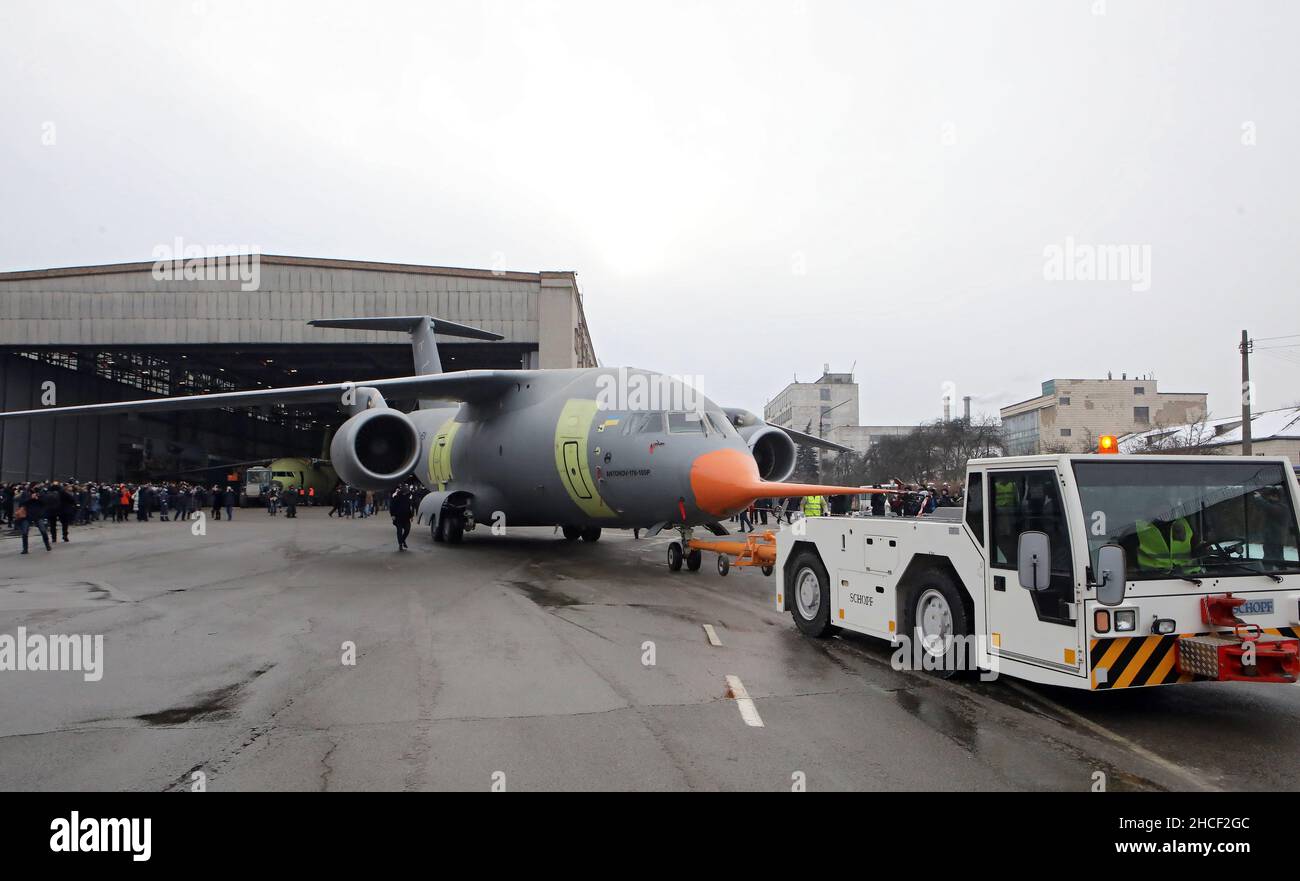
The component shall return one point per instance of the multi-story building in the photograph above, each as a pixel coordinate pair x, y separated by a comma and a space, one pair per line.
1070, 414
816, 407
828, 408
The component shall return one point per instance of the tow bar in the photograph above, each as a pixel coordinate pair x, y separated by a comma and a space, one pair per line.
755, 550
1242, 653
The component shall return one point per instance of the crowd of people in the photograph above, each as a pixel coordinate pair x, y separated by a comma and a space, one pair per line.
902, 500
52, 508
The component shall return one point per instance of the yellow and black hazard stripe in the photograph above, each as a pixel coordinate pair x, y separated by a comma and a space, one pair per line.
1133, 661
1136, 661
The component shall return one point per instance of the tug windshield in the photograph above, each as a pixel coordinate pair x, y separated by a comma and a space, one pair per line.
1193, 519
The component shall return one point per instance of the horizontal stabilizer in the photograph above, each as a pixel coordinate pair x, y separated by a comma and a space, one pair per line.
422, 328
408, 323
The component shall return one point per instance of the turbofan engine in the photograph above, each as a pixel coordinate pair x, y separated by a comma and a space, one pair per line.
771, 447
774, 452
375, 449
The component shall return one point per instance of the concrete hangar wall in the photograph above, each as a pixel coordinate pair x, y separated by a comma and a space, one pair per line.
115, 332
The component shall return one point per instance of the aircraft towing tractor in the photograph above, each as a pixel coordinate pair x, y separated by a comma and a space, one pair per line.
1094, 571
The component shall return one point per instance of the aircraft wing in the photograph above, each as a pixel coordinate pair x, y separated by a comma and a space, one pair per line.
473, 386
809, 440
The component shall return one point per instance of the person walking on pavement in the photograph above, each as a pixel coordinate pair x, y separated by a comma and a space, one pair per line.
230, 502
66, 512
401, 509
30, 509
291, 504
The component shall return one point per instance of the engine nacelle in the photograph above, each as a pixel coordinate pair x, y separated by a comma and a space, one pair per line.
375, 449
772, 449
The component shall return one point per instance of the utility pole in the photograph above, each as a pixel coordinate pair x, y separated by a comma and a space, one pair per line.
1245, 347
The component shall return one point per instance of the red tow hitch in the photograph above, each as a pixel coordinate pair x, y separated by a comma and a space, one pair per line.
1242, 653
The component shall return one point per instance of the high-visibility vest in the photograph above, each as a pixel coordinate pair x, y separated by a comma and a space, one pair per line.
1155, 552
1004, 494
812, 506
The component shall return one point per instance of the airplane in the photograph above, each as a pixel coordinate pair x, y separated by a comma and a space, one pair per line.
583, 449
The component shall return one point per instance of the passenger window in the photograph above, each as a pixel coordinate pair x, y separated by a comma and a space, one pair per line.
685, 422
1031, 500
975, 506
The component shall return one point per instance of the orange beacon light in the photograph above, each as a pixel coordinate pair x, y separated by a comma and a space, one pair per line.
1107, 443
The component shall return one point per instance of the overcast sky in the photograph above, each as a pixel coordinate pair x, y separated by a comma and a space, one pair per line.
746, 190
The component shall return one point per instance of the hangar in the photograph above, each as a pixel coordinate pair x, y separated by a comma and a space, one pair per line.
92, 334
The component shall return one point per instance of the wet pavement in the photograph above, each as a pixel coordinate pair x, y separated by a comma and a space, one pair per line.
528, 662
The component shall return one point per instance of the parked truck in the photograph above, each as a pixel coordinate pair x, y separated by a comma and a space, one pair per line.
1089, 571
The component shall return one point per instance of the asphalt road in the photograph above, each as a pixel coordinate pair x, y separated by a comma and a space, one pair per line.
521, 661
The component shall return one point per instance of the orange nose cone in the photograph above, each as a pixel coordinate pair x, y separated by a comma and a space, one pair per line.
727, 480
724, 481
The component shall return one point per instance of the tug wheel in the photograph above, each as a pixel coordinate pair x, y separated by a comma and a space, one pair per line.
724, 564
809, 589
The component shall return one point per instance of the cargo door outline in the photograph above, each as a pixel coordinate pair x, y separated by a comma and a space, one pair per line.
440, 454
572, 460
573, 475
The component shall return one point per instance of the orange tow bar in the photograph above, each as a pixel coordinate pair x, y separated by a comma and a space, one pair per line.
755, 550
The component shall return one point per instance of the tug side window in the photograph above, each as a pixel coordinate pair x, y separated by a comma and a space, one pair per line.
1031, 500
975, 506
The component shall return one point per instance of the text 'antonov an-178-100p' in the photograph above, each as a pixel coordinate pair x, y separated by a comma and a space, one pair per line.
579, 448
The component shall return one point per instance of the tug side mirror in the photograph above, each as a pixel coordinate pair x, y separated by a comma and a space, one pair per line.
1035, 560
1110, 575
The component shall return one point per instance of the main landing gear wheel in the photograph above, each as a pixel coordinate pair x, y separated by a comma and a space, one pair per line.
694, 559
439, 526
455, 528
571, 533
591, 533
810, 593
724, 564
675, 556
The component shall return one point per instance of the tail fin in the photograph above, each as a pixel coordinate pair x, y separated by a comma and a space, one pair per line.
421, 327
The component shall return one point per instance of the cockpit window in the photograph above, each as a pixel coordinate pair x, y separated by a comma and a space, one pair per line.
644, 422
721, 424
686, 422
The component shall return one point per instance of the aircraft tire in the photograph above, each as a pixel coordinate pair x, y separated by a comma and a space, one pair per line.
694, 559
571, 533
436, 527
591, 533
455, 527
675, 556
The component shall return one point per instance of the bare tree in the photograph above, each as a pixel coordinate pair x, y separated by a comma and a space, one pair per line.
933, 452
1193, 439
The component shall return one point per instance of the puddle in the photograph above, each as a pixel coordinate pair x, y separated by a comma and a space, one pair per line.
544, 596
214, 705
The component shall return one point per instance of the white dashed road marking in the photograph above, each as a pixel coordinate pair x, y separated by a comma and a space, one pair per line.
748, 711
712, 635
